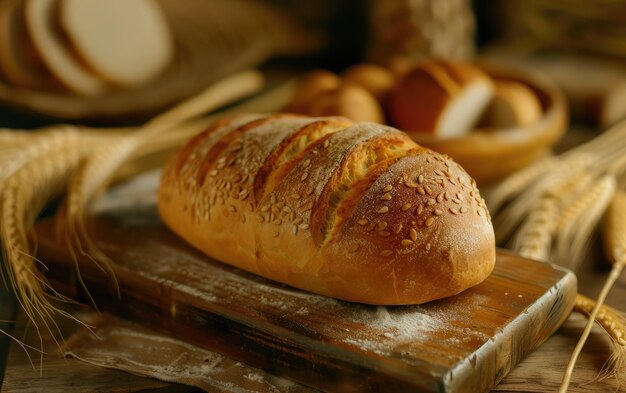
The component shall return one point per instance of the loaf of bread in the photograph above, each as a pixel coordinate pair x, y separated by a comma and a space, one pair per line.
355, 211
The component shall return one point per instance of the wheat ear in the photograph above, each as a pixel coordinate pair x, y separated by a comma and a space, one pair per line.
534, 239
579, 218
516, 183
615, 243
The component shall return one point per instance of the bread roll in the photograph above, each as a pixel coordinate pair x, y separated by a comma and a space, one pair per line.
310, 86
513, 105
19, 62
377, 80
445, 99
126, 43
50, 45
349, 100
355, 211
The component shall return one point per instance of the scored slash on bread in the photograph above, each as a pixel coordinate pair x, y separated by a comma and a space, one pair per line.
19, 62
355, 211
441, 98
51, 47
126, 43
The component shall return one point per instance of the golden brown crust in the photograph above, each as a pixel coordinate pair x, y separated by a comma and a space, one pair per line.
342, 219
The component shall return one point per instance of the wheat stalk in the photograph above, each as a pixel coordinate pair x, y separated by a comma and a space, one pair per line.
615, 243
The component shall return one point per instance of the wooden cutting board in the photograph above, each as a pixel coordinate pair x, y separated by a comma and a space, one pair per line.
464, 343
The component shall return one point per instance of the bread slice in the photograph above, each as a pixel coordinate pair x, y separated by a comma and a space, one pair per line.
514, 104
54, 52
19, 63
445, 99
127, 43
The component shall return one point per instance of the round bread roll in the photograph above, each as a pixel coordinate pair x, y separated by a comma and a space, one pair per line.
355, 211
444, 99
375, 79
19, 62
127, 43
55, 54
351, 101
310, 86
513, 105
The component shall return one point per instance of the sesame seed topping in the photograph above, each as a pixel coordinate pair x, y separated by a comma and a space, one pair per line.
428, 190
304, 176
326, 143
275, 234
383, 209
411, 185
454, 211
413, 234
438, 212
480, 212
457, 201
397, 228
304, 226
438, 172
294, 230
287, 209
381, 225
446, 196
278, 222
388, 188
386, 253
306, 163
420, 209
459, 196
428, 246
221, 165
386, 197
421, 191
420, 179
362, 221
430, 221
213, 172
463, 209
440, 197
406, 242
310, 192
431, 202
406, 206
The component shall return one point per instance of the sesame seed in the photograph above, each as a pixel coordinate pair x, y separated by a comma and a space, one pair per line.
309, 192
420, 179
287, 209
463, 209
428, 190
326, 143
457, 201
213, 172
221, 160
306, 163
397, 228
480, 212
413, 234
454, 211
383, 209
420, 209
275, 234
459, 196
304, 226
386, 253
362, 221
421, 191
446, 196
452, 181
304, 176
438, 212
384, 233
440, 197
386, 197
431, 202
430, 221
294, 230
221, 165
406, 242
388, 188
381, 225
438, 172
428, 246
412, 185
406, 206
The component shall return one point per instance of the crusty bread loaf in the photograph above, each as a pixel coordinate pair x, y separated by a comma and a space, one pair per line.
355, 211
513, 105
440, 98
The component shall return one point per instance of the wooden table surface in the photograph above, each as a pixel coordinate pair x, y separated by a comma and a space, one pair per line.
539, 372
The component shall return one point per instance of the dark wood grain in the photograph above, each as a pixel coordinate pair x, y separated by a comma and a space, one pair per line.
466, 342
